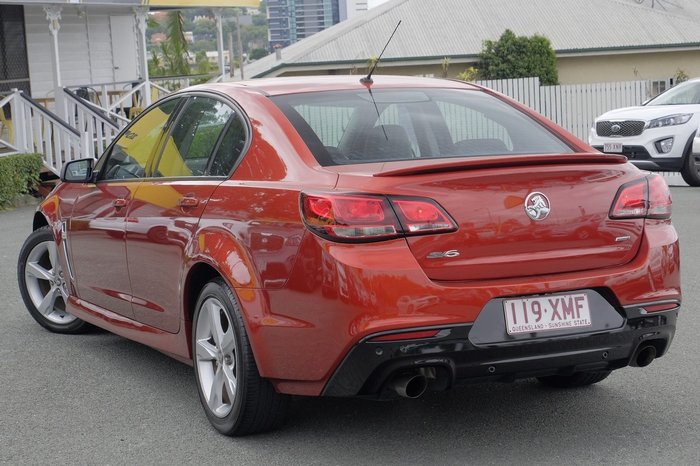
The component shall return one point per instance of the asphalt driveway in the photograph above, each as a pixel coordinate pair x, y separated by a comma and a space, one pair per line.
101, 399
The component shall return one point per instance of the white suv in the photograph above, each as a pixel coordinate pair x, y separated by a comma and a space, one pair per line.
657, 136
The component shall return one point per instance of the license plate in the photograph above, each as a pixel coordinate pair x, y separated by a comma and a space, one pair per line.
546, 313
612, 147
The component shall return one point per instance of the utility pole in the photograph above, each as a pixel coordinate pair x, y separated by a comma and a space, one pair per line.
231, 55
238, 38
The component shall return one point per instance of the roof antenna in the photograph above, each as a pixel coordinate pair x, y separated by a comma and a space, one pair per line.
368, 79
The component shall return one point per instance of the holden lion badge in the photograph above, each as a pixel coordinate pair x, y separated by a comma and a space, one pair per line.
537, 206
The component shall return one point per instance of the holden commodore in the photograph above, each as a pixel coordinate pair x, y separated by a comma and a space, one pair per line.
347, 238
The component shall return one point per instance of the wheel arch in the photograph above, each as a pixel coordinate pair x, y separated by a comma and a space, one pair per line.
198, 275
688, 148
39, 221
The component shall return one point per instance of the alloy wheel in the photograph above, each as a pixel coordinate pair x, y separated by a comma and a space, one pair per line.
46, 283
215, 352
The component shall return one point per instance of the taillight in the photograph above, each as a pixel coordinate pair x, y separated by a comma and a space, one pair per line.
364, 217
631, 200
660, 203
645, 198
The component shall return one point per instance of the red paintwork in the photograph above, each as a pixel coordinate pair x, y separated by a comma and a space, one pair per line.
306, 300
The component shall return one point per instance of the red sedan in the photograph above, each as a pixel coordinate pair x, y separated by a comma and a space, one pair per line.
338, 237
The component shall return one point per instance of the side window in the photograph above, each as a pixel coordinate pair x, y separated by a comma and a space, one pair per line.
187, 149
230, 149
132, 149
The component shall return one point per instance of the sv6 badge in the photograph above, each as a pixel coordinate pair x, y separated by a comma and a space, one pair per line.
441, 255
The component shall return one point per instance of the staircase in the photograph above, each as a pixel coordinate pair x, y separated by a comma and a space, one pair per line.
85, 131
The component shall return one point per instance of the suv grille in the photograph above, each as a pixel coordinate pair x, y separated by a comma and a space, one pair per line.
623, 128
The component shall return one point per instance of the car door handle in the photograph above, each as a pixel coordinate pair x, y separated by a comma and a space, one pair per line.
119, 202
188, 201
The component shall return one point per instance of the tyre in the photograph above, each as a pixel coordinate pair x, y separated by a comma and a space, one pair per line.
691, 169
42, 284
579, 379
235, 398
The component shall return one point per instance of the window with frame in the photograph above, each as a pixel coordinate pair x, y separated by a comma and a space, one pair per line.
133, 148
187, 150
230, 148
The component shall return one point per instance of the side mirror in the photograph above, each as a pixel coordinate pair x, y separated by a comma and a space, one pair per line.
77, 171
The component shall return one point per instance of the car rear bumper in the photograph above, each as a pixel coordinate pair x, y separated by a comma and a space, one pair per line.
452, 359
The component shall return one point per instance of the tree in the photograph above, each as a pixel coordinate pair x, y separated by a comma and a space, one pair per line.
155, 67
470, 74
203, 65
514, 56
256, 54
174, 49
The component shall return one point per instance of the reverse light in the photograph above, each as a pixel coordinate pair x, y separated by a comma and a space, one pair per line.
422, 215
645, 198
671, 120
365, 217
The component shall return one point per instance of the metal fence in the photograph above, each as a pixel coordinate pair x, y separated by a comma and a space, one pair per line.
573, 106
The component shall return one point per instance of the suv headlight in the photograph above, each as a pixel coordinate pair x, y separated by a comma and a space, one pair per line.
670, 120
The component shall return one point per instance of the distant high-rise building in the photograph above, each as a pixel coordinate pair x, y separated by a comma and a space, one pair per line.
292, 20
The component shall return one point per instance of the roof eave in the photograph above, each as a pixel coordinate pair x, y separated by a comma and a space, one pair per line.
470, 58
654, 48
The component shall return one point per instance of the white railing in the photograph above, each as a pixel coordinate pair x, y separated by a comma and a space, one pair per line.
7, 143
38, 130
122, 100
97, 125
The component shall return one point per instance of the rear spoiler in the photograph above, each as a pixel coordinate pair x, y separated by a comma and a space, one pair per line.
474, 163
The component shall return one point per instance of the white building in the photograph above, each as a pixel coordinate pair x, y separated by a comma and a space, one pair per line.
350, 8
73, 71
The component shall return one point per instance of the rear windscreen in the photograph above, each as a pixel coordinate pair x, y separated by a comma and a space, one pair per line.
348, 127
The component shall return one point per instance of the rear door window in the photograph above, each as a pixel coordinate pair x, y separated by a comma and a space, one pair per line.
187, 150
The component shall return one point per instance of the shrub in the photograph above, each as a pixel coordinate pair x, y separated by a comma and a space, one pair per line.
19, 174
514, 56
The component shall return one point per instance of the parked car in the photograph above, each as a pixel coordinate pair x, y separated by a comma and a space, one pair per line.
658, 135
276, 234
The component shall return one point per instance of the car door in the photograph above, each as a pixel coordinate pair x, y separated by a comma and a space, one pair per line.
195, 158
96, 228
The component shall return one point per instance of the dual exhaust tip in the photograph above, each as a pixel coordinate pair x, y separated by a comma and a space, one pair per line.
414, 385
